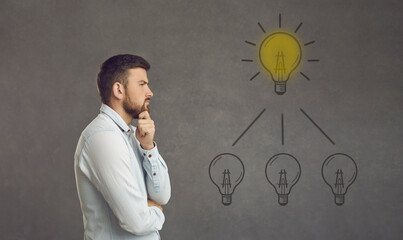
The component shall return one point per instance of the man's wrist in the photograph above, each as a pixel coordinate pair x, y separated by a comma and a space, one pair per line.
148, 147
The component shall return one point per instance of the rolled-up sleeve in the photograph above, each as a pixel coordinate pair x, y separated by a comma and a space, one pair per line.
106, 162
157, 179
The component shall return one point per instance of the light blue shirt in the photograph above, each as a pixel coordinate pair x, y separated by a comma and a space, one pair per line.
115, 176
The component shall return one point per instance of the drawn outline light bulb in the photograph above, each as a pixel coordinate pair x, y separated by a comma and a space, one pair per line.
280, 54
226, 171
339, 171
283, 172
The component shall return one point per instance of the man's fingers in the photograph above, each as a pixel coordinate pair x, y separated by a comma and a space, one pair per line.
151, 203
144, 115
145, 127
145, 131
145, 121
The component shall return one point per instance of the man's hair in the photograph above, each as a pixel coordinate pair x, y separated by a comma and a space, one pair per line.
115, 70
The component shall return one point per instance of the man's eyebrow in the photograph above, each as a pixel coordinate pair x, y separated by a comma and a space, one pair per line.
144, 81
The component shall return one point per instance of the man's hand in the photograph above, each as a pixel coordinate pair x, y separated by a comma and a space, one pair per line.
145, 131
153, 204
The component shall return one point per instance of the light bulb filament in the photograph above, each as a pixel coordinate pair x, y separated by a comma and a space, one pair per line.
226, 182
282, 183
280, 66
339, 181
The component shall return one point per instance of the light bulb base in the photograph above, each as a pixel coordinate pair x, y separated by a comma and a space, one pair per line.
280, 88
339, 199
283, 199
226, 199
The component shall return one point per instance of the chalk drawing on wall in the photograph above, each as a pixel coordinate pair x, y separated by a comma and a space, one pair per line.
250, 125
226, 171
283, 172
339, 172
280, 54
317, 126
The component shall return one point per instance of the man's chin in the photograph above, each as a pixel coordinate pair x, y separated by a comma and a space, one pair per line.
145, 108
136, 116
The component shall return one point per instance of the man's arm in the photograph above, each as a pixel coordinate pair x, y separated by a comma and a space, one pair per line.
106, 162
157, 179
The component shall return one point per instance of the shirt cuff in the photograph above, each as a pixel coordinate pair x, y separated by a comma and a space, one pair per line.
150, 164
149, 154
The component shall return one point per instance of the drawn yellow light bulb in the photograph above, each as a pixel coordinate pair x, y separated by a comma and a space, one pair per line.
280, 54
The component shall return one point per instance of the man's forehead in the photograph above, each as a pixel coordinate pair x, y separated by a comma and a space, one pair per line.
137, 74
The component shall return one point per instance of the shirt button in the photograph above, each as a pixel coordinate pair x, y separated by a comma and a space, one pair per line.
154, 174
144, 154
149, 155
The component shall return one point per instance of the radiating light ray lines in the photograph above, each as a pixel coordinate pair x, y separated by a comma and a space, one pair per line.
254, 76
264, 31
296, 30
309, 43
252, 43
305, 76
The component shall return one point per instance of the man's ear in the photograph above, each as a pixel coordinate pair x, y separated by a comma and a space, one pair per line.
118, 91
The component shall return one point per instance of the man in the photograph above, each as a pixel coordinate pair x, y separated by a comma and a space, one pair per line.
121, 178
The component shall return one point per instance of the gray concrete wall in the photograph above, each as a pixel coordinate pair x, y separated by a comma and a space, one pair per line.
203, 101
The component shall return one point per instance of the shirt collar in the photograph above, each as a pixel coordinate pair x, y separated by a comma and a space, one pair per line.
115, 117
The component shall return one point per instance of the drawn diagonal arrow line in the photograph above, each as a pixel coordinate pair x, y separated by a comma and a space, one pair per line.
317, 126
250, 125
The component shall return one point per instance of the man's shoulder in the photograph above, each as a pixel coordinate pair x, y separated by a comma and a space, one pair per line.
100, 124
101, 134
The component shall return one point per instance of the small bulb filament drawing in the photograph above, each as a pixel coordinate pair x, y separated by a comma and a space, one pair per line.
339, 172
280, 167
221, 169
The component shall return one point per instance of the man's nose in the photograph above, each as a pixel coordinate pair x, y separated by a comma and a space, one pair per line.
149, 93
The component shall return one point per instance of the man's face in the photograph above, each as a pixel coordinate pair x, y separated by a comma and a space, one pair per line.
137, 92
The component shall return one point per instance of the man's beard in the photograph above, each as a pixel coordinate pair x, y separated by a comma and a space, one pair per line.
133, 109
